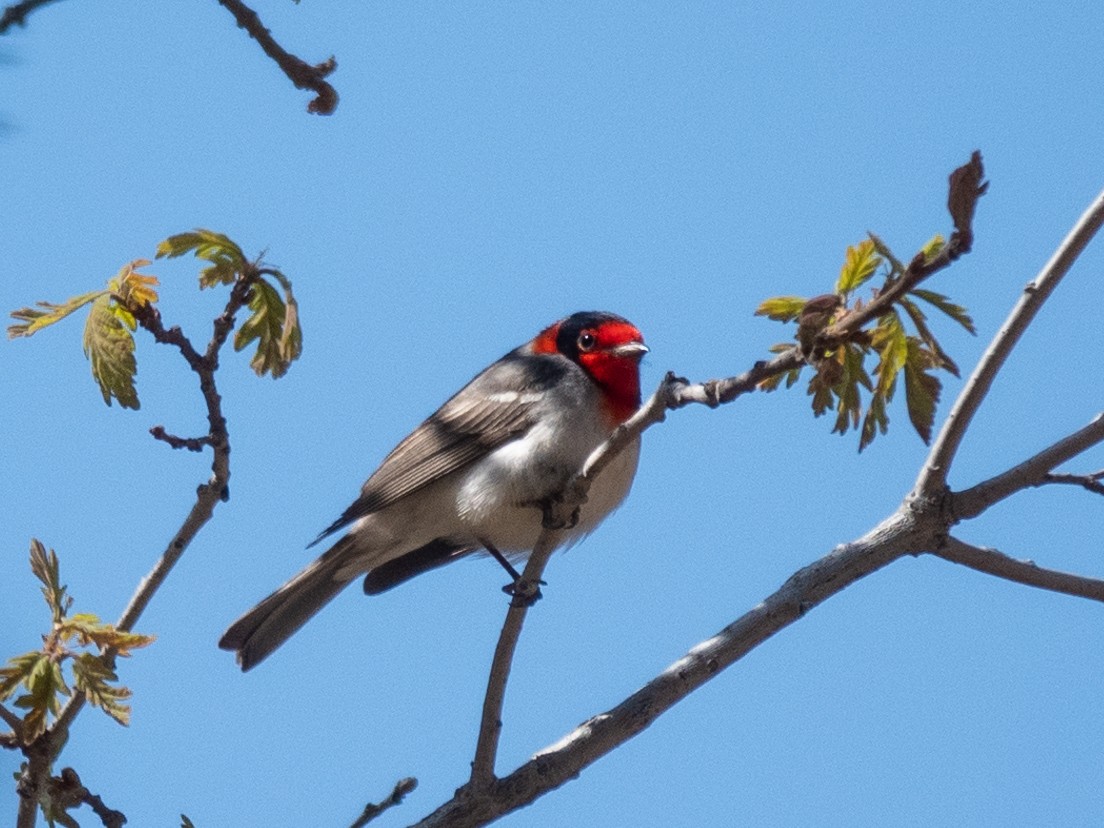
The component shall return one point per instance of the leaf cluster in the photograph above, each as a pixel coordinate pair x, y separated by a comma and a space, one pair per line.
274, 319
129, 299
898, 341
39, 673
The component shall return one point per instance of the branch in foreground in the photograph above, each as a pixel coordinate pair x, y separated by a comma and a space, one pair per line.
899, 535
16, 14
299, 72
933, 477
992, 562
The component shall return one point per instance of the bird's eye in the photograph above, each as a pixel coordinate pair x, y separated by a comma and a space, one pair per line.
586, 341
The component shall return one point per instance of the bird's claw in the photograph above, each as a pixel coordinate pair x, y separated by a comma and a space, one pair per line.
524, 593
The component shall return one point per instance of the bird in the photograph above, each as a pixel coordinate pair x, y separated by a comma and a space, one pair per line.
477, 475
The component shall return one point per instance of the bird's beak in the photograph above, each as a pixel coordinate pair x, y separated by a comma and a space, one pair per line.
631, 350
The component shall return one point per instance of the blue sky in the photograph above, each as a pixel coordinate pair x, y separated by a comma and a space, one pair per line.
490, 168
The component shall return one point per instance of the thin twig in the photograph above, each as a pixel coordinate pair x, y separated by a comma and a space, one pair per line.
16, 14
373, 809
208, 495
190, 443
1088, 482
299, 72
490, 727
992, 562
932, 481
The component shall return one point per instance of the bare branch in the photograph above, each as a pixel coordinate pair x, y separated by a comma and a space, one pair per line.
208, 495
933, 477
556, 764
299, 72
1088, 482
16, 14
992, 562
1032, 472
373, 810
189, 443
490, 726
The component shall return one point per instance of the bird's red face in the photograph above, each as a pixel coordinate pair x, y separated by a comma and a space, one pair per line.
608, 347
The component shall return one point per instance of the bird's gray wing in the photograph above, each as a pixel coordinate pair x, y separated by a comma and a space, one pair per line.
494, 408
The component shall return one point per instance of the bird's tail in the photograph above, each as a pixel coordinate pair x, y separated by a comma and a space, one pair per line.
269, 624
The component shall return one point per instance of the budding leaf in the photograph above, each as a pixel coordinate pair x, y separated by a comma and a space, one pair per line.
227, 259
18, 671
956, 312
859, 265
44, 684
933, 246
274, 324
35, 319
921, 390
93, 678
781, 308
110, 347
132, 288
942, 359
46, 568
87, 628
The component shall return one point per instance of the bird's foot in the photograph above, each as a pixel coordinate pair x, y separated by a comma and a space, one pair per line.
524, 593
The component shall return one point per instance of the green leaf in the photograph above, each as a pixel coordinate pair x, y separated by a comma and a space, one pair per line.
956, 312
859, 265
942, 359
44, 685
891, 343
88, 629
933, 247
227, 259
781, 308
132, 288
93, 678
46, 568
110, 347
876, 420
895, 265
18, 672
47, 313
922, 390
274, 325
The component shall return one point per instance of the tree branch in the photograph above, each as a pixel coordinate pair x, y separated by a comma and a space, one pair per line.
299, 72
16, 14
966, 187
1032, 472
373, 810
1088, 482
992, 562
932, 481
208, 495
902, 533
490, 725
